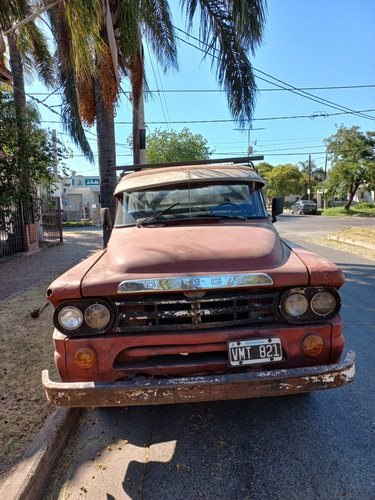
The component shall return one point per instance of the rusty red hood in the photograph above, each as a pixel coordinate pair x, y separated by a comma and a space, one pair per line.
193, 250
213, 248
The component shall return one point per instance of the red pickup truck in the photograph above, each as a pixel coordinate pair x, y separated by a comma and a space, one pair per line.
196, 298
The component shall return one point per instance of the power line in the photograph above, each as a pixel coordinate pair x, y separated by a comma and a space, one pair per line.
292, 89
159, 83
202, 91
231, 120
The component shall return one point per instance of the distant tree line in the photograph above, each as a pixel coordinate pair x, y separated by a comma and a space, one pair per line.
352, 158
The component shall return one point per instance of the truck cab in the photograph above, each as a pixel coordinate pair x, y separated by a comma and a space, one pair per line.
196, 298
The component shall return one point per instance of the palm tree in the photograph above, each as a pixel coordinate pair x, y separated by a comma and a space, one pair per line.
99, 42
29, 55
90, 67
317, 173
28, 50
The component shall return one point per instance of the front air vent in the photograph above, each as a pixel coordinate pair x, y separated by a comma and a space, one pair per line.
171, 311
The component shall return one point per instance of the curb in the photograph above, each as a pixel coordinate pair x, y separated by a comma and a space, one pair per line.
357, 243
29, 480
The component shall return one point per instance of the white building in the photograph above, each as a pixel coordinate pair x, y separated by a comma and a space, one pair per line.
82, 192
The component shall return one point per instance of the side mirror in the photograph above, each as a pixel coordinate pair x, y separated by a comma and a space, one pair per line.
277, 207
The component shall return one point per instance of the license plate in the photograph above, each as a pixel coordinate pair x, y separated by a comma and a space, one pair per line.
256, 351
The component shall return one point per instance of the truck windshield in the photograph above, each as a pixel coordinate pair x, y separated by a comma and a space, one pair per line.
190, 202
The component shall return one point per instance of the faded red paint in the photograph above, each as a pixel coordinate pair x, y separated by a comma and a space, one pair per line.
204, 248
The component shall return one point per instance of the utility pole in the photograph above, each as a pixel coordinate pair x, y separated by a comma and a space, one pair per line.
250, 149
309, 182
325, 168
325, 176
139, 130
55, 172
142, 130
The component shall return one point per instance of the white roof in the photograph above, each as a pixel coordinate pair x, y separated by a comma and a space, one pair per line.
164, 176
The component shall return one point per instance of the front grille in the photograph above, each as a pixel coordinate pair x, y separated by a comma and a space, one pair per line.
171, 311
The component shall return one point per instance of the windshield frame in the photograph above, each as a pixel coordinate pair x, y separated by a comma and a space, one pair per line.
183, 202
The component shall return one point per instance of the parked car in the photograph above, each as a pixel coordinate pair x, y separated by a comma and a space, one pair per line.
304, 207
196, 298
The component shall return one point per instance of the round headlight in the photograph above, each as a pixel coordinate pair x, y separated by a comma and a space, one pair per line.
296, 305
70, 318
323, 303
97, 316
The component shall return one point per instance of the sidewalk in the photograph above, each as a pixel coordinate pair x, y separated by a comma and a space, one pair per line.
21, 273
18, 274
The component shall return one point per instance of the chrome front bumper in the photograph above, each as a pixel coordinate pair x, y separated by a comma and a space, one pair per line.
142, 391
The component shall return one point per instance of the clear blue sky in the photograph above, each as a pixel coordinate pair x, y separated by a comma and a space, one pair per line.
308, 44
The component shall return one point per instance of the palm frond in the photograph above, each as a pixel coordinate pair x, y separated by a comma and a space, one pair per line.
36, 54
70, 112
75, 26
67, 68
249, 17
156, 19
228, 29
11, 10
127, 27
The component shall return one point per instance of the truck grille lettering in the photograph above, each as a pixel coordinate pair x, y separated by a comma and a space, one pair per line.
195, 283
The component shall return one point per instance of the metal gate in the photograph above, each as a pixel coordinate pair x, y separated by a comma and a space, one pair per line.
19, 224
51, 220
12, 236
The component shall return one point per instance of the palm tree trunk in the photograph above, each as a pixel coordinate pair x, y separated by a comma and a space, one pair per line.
18, 80
105, 128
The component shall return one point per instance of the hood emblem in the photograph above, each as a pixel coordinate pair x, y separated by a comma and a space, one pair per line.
195, 283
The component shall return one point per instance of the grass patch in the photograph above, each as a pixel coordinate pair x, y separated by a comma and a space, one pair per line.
83, 222
344, 247
357, 233
354, 211
26, 348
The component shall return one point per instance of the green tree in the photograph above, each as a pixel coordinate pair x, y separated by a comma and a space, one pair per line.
352, 157
228, 30
284, 180
26, 157
264, 169
164, 146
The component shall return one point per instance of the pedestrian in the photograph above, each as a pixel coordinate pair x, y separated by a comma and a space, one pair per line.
64, 200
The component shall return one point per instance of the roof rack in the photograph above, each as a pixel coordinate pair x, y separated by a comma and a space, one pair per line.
141, 166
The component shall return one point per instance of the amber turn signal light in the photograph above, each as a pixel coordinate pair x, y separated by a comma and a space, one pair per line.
312, 345
85, 357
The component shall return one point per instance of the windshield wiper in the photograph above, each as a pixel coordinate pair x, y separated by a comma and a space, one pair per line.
151, 218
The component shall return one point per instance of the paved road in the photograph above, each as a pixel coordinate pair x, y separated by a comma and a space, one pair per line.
318, 446
301, 227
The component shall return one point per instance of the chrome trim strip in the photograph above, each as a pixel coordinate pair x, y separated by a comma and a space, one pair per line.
195, 283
